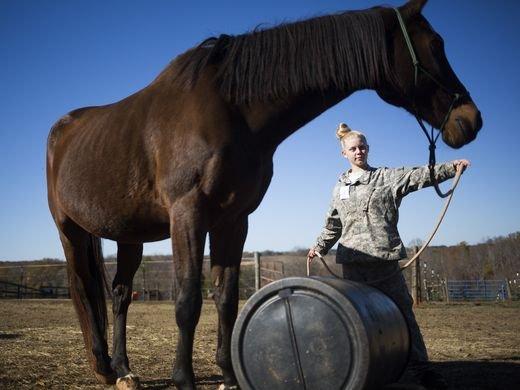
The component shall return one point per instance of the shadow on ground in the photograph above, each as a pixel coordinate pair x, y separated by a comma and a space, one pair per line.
212, 381
472, 375
461, 375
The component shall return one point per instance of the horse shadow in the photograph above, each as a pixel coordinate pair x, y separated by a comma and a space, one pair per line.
9, 336
492, 374
460, 375
211, 381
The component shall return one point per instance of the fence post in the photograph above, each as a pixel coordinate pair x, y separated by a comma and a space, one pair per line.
508, 290
414, 283
446, 291
143, 274
416, 280
20, 291
257, 271
426, 292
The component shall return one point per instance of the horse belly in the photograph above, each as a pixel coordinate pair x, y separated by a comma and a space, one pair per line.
129, 222
110, 204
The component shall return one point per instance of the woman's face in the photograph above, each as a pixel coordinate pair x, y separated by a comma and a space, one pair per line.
356, 151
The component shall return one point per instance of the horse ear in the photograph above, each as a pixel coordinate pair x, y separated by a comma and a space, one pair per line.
413, 7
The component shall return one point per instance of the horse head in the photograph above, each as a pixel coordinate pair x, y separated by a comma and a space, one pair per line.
428, 88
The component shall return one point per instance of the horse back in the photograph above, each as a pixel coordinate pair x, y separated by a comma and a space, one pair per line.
122, 165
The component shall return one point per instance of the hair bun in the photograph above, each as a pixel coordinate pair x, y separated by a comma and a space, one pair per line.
342, 130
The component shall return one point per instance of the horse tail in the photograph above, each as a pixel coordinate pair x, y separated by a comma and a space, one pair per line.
90, 291
99, 275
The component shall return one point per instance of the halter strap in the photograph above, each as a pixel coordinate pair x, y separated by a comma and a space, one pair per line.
432, 140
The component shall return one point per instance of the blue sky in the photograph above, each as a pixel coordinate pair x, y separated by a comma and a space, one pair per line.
60, 55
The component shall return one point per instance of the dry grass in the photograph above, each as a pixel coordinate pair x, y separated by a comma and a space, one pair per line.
474, 346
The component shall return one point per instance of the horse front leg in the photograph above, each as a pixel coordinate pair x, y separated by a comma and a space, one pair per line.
188, 233
129, 257
227, 243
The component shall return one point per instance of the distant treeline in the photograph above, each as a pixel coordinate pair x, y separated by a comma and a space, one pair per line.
496, 258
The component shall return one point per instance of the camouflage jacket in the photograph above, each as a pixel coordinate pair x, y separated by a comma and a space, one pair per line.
363, 214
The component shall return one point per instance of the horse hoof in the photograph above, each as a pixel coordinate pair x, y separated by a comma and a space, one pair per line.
106, 379
128, 382
226, 387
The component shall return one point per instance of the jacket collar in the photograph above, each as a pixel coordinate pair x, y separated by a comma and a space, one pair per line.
363, 179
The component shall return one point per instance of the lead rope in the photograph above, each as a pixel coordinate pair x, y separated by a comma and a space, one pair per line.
409, 262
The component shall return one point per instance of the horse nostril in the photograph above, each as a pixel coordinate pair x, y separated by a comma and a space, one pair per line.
460, 122
464, 129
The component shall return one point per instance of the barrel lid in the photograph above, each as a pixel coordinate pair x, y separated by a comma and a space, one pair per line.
299, 333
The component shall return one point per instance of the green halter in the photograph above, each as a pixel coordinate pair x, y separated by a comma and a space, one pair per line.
456, 97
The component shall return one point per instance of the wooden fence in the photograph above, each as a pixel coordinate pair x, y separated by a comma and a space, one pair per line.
20, 291
271, 271
154, 281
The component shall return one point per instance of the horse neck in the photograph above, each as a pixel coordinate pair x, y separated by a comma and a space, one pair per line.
273, 122
324, 80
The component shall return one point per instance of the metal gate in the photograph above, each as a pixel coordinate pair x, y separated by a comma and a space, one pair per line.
270, 271
477, 290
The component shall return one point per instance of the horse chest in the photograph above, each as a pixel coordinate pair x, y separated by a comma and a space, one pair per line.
245, 187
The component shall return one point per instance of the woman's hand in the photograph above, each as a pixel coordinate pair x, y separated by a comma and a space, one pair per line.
311, 255
463, 164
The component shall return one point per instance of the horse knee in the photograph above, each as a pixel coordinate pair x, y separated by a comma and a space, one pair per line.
227, 309
188, 305
226, 301
121, 298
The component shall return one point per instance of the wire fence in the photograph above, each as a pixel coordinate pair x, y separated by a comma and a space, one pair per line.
154, 280
18, 291
477, 290
271, 271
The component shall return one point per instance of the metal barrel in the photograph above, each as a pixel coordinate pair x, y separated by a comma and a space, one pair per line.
319, 333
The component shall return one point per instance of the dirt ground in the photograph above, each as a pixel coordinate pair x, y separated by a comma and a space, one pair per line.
473, 346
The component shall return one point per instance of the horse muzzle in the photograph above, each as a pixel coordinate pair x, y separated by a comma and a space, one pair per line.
463, 125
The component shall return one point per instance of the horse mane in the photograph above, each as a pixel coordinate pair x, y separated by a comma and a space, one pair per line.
344, 51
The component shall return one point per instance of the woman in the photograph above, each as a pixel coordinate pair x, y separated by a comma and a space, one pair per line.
363, 216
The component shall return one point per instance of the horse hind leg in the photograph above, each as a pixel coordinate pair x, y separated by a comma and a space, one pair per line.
226, 244
87, 289
188, 234
129, 258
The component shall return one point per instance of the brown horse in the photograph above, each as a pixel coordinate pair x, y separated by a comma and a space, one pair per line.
191, 155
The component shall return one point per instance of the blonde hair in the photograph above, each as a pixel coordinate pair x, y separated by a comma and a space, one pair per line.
343, 132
